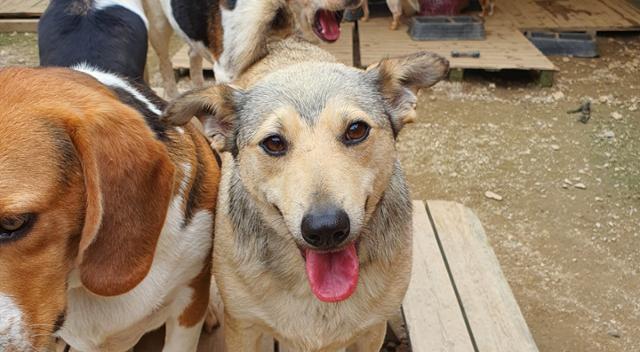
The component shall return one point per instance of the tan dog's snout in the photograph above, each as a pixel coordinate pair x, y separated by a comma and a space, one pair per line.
325, 227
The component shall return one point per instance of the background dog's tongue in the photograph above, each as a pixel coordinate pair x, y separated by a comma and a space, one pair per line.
330, 28
333, 276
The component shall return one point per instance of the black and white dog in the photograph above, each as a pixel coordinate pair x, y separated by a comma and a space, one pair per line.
107, 34
233, 34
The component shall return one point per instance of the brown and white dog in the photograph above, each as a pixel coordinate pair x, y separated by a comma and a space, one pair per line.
487, 7
396, 8
106, 216
232, 34
313, 230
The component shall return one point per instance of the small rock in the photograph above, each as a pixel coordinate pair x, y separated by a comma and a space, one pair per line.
608, 134
616, 115
633, 108
565, 59
492, 195
580, 186
492, 85
614, 333
558, 95
555, 147
568, 182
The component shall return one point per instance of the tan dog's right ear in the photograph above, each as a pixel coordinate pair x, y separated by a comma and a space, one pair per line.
215, 107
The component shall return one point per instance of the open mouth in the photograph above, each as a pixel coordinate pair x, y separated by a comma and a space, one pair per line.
332, 275
326, 25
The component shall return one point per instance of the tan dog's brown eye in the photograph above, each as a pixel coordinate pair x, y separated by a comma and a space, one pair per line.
356, 133
274, 145
12, 227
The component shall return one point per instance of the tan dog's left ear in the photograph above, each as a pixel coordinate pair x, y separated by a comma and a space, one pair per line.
128, 180
399, 79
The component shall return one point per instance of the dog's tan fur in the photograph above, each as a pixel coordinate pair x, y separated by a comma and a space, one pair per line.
299, 91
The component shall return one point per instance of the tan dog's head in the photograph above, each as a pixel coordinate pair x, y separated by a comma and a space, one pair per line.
239, 30
84, 187
314, 144
323, 16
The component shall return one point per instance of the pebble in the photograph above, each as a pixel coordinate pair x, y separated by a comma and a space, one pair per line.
558, 95
614, 333
580, 186
568, 182
492, 195
608, 134
565, 59
555, 147
616, 115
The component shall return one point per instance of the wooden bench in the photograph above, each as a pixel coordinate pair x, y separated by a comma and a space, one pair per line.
458, 298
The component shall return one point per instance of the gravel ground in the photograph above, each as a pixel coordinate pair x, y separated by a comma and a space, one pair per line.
567, 228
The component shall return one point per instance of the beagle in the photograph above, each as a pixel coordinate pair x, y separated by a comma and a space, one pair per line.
106, 214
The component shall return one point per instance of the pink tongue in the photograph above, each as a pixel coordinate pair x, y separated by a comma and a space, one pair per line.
330, 28
333, 276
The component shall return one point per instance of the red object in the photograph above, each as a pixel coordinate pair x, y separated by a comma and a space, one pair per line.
442, 7
333, 276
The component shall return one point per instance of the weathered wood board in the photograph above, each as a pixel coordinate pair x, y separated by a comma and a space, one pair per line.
505, 47
493, 316
568, 15
431, 310
22, 8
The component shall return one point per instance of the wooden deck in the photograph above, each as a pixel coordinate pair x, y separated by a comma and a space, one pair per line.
570, 15
458, 298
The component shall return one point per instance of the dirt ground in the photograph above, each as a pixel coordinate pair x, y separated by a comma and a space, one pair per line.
567, 231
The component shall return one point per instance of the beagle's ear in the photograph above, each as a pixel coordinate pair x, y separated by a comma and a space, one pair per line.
128, 180
399, 80
214, 106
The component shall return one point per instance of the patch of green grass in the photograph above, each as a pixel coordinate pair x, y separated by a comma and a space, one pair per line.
7, 39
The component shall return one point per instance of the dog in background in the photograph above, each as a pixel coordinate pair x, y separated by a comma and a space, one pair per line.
230, 33
108, 34
487, 7
106, 215
396, 8
313, 231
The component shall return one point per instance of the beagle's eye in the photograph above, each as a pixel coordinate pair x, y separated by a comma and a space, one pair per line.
356, 133
12, 227
274, 145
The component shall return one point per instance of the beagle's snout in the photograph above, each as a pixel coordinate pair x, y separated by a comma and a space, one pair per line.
325, 228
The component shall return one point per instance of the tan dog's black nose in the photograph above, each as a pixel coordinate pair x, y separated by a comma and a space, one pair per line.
325, 228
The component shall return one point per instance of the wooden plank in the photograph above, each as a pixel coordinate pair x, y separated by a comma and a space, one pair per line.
568, 15
431, 311
505, 47
18, 25
491, 309
22, 8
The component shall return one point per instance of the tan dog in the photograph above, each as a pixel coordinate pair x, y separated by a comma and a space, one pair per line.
313, 234
106, 217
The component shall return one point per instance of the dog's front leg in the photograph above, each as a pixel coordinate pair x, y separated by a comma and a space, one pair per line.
195, 68
240, 337
180, 338
373, 339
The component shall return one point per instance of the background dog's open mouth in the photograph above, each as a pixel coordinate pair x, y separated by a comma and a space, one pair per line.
333, 276
327, 25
